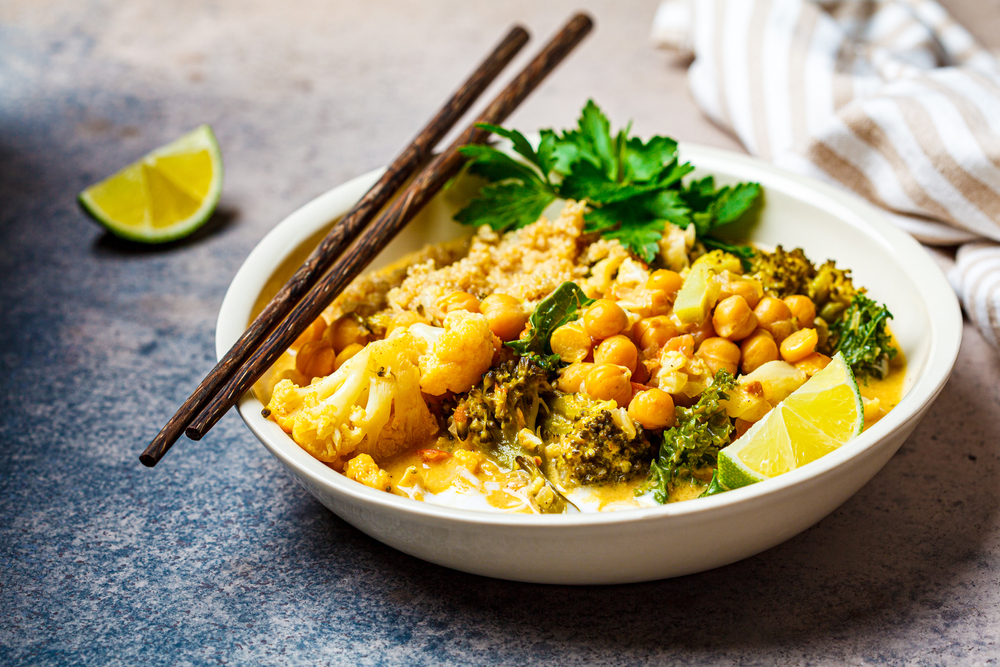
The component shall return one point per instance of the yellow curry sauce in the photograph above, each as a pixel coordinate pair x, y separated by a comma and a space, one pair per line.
524, 267
473, 481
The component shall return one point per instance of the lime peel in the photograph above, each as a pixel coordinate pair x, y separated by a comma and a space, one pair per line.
165, 195
818, 417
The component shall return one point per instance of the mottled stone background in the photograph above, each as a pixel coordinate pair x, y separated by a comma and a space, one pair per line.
217, 555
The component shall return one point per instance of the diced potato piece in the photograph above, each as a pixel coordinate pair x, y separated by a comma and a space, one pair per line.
746, 401
701, 290
777, 379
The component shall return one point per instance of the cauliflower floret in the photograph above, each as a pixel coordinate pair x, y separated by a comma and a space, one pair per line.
454, 358
370, 405
676, 245
604, 257
373, 403
362, 468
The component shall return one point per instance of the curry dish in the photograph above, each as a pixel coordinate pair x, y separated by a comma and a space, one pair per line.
543, 369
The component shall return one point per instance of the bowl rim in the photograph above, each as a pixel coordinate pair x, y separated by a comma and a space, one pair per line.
939, 299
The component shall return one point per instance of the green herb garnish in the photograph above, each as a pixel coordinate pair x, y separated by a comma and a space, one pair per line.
862, 337
633, 189
551, 313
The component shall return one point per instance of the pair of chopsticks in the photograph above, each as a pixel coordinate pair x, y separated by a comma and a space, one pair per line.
352, 243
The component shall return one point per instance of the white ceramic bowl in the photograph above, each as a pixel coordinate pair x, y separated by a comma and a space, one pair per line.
659, 542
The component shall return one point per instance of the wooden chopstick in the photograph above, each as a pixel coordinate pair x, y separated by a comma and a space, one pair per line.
387, 225
338, 239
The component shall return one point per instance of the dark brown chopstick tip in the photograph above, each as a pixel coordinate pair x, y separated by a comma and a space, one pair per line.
581, 20
335, 243
376, 236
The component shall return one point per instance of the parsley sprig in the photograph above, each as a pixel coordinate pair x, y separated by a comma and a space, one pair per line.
632, 188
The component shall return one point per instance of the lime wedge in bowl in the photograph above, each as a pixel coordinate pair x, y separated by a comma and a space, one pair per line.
165, 195
815, 419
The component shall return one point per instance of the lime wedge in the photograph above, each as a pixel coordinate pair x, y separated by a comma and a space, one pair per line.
815, 419
166, 195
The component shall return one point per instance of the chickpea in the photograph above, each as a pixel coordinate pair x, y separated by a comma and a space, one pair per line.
609, 382
344, 331
617, 350
573, 376
774, 316
813, 364
315, 359
733, 318
799, 345
641, 374
758, 349
347, 353
297, 378
604, 318
653, 332
703, 332
782, 330
719, 354
803, 310
684, 401
750, 290
683, 344
313, 332
653, 408
771, 310
666, 281
505, 315
571, 343
457, 301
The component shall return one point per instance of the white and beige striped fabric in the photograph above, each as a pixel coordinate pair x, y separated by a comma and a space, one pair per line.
889, 98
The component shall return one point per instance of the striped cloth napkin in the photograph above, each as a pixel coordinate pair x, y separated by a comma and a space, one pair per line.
891, 99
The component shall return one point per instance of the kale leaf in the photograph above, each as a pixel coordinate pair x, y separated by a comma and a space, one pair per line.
714, 487
551, 313
633, 188
694, 442
862, 337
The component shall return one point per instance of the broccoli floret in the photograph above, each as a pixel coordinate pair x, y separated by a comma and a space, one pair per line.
507, 400
592, 442
781, 272
861, 335
831, 289
694, 443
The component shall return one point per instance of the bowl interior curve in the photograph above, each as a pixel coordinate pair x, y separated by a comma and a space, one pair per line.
796, 211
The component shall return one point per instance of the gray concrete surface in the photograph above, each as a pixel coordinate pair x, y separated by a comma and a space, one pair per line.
217, 556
